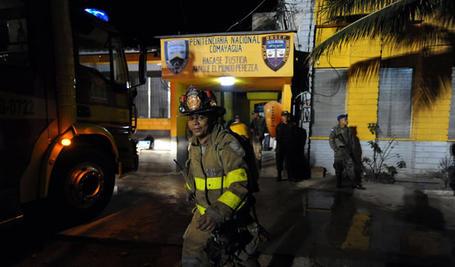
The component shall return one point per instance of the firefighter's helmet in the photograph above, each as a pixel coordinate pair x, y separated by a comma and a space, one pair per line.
197, 101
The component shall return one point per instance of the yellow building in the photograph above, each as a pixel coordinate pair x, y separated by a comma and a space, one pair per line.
389, 94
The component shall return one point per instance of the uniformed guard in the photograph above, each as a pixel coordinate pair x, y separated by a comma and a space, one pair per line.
217, 179
342, 142
284, 133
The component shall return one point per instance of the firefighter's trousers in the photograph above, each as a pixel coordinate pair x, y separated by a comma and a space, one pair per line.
194, 243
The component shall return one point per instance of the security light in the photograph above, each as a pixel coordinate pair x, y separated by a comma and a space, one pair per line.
226, 81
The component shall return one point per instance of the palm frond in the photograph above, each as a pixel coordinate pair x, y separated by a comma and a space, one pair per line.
387, 23
418, 36
364, 70
432, 73
446, 12
333, 9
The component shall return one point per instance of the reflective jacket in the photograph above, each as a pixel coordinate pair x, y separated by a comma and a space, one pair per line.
240, 128
217, 174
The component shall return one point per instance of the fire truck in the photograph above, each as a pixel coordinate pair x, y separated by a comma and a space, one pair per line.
65, 122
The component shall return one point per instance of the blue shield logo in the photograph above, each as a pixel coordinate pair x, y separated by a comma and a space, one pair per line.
275, 50
176, 55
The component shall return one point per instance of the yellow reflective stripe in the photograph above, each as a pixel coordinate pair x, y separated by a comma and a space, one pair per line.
237, 175
188, 186
230, 199
201, 209
213, 183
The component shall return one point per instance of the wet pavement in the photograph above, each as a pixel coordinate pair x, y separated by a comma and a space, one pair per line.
310, 224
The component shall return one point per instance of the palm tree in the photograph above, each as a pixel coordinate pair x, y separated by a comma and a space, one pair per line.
425, 26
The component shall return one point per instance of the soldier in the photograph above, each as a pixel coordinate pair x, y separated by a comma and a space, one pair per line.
342, 142
217, 180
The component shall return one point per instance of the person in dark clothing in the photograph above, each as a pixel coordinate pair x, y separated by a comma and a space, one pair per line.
258, 129
284, 136
356, 154
451, 170
299, 166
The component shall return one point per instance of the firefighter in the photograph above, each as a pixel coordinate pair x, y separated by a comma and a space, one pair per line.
240, 128
217, 180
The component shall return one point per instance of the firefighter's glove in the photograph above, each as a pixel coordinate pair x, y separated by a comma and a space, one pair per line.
209, 220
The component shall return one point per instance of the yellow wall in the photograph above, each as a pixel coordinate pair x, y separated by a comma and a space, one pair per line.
362, 105
432, 124
153, 124
286, 97
178, 122
428, 123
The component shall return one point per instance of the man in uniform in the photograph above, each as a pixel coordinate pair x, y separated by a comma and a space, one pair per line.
284, 136
341, 141
257, 128
217, 180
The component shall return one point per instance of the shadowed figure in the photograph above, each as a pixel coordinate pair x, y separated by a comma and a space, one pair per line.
356, 157
418, 211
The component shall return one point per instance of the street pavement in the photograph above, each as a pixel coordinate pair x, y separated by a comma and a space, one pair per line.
310, 224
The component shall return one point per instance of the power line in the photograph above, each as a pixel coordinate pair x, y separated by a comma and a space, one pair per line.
249, 14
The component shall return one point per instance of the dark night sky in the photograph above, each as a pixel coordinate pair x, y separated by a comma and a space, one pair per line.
147, 19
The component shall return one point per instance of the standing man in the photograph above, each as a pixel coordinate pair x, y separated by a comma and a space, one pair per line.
257, 128
341, 141
284, 134
217, 180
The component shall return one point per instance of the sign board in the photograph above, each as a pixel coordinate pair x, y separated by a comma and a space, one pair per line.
239, 55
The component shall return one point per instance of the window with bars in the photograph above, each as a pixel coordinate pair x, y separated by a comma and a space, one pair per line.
394, 105
452, 109
152, 100
329, 99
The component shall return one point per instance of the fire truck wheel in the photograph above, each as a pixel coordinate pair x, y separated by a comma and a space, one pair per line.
82, 183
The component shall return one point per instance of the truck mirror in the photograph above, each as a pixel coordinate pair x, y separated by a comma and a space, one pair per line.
142, 66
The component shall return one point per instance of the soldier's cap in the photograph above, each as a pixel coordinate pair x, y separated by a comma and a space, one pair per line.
198, 101
285, 113
342, 116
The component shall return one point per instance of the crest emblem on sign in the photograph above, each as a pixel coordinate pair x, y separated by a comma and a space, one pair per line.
275, 50
176, 55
